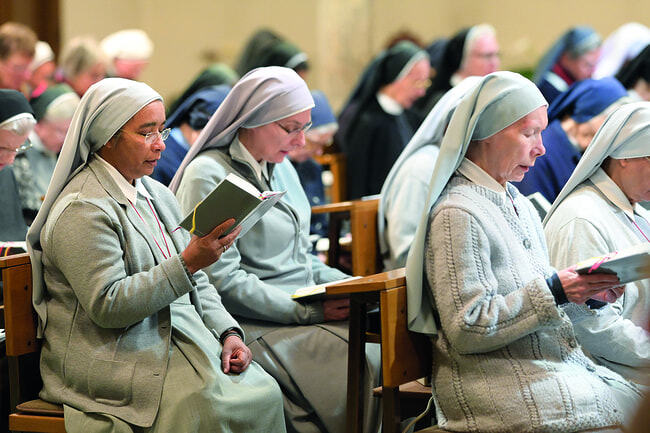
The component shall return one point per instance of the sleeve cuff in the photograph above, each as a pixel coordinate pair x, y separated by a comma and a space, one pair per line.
555, 286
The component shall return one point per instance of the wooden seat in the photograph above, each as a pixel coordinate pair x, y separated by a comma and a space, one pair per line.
363, 228
405, 356
336, 164
29, 414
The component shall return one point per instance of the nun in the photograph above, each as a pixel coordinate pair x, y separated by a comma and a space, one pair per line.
505, 357
16, 123
473, 51
573, 57
598, 212
186, 123
635, 76
302, 344
574, 117
374, 127
623, 45
266, 48
404, 193
135, 337
214, 75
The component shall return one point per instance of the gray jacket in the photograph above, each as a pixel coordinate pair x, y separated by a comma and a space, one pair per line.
107, 339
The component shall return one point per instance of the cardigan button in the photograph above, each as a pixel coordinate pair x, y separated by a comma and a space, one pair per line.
591, 368
527, 244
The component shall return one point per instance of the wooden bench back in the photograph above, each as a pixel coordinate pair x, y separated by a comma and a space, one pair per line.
20, 318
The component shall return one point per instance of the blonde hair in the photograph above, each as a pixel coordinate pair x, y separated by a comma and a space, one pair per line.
80, 54
16, 38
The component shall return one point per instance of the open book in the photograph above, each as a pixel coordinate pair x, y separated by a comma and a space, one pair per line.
314, 293
630, 264
235, 198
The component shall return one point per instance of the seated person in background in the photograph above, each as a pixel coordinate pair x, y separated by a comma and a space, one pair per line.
33, 168
373, 125
302, 344
214, 75
17, 42
82, 63
596, 213
635, 76
319, 136
574, 117
136, 338
572, 58
620, 47
473, 51
41, 69
128, 53
505, 355
186, 124
16, 122
266, 48
403, 196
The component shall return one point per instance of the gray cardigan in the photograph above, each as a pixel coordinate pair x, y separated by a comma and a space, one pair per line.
107, 339
506, 358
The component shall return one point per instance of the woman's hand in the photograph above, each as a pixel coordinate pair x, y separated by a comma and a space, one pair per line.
235, 355
579, 288
204, 251
336, 309
610, 295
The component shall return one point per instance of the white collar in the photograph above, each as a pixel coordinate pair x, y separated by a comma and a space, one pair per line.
389, 105
238, 149
477, 175
130, 191
455, 79
613, 192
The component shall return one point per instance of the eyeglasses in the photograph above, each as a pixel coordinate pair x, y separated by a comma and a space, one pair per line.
495, 55
422, 84
303, 128
151, 137
26, 145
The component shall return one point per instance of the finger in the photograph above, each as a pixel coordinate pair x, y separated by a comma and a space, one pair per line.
601, 278
221, 228
232, 235
225, 359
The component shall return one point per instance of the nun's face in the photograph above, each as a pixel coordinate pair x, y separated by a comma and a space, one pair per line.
483, 57
581, 67
128, 152
273, 142
635, 178
508, 155
9, 142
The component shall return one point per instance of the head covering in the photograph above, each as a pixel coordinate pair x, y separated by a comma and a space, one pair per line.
13, 105
199, 107
576, 42
622, 45
132, 44
58, 98
213, 75
103, 110
322, 116
42, 54
389, 66
430, 132
639, 67
586, 99
625, 134
496, 102
266, 48
436, 51
262, 96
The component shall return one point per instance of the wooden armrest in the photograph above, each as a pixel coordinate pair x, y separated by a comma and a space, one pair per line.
371, 283
329, 158
14, 260
343, 206
40, 407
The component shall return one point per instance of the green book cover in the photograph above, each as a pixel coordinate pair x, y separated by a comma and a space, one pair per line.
235, 198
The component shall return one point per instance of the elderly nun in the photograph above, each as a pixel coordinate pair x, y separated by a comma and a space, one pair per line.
136, 339
574, 117
302, 345
404, 193
597, 212
505, 356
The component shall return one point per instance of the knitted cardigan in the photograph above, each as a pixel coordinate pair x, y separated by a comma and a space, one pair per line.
506, 357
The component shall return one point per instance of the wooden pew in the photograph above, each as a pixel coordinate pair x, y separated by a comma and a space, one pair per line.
29, 413
362, 214
405, 356
336, 164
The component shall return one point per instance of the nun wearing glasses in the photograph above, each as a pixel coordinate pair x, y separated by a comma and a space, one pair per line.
302, 345
135, 337
505, 356
597, 212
